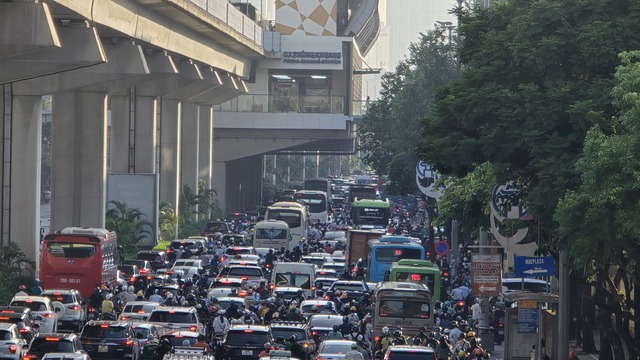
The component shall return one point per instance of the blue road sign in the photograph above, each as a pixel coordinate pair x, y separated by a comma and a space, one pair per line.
442, 248
534, 266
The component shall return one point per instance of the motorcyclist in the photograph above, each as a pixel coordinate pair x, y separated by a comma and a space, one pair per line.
422, 337
297, 351
386, 340
398, 338
108, 306
335, 334
201, 343
163, 348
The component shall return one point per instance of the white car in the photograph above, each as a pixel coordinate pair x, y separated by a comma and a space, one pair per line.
137, 310
334, 349
44, 310
253, 275
12, 346
75, 313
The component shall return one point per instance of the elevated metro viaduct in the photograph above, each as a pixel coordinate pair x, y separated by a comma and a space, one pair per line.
136, 85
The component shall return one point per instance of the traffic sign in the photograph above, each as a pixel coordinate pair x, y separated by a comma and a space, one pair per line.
486, 275
442, 248
534, 266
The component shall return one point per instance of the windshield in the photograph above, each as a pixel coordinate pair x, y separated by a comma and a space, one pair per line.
316, 202
235, 338
291, 217
280, 234
388, 254
286, 333
216, 227
63, 298
70, 250
408, 355
348, 287
240, 272
427, 279
111, 332
41, 346
371, 215
336, 348
139, 309
323, 321
400, 308
149, 257
178, 340
172, 317
33, 305
297, 280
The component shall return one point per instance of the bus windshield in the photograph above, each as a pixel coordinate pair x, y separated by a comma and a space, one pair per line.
70, 249
280, 234
316, 202
364, 215
403, 308
291, 217
388, 254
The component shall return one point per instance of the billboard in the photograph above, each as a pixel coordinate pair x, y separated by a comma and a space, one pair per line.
486, 275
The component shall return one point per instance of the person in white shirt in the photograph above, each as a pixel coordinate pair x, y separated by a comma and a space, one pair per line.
454, 334
476, 314
22, 291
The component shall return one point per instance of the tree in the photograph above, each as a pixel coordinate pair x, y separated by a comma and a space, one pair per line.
602, 215
196, 209
130, 225
390, 130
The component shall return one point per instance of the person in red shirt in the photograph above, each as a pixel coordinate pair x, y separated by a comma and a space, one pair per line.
573, 353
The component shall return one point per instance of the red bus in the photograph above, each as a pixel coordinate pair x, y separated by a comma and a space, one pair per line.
78, 258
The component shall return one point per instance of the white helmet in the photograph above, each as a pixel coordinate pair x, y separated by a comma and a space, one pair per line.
385, 330
446, 331
130, 289
109, 296
169, 296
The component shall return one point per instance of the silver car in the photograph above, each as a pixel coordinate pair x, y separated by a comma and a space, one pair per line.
12, 346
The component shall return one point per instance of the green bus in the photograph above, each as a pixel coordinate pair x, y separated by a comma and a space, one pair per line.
418, 271
370, 214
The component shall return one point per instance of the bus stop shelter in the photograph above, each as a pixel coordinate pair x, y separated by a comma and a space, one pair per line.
529, 321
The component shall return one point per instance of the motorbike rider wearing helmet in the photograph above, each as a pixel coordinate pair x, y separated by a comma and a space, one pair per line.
398, 338
386, 340
201, 343
297, 351
422, 337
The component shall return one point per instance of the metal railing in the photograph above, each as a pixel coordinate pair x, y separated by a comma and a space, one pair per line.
310, 104
359, 107
233, 17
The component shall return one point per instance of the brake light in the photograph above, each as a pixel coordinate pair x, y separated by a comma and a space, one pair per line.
313, 288
8, 312
132, 279
460, 303
271, 286
149, 277
73, 307
179, 336
144, 271
104, 325
248, 331
172, 311
4, 318
326, 297
128, 342
244, 278
242, 293
500, 325
297, 272
29, 357
140, 311
314, 333
193, 328
13, 348
48, 315
28, 301
222, 258
124, 317
183, 242
52, 339
24, 331
268, 266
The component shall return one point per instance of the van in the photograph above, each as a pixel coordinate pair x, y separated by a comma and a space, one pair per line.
291, 274
273, 234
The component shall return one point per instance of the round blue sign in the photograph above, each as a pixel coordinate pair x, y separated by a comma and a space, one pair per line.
442, 248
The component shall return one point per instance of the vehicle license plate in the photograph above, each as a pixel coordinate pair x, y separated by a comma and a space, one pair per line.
247, 352
103, 348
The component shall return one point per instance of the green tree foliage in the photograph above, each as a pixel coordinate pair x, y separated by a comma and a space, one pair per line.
602, 216
196, 209
130, 225
536, 77
167, 222
15, 269
390, 130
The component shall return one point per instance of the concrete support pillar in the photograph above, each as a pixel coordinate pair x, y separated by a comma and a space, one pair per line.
220, 183
5, 166
145, 134
189, 145
121, 123
205, 152
25, 139
170, 128
79, 152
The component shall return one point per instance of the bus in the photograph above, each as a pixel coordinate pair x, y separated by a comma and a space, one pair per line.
418, 271
271, 234
317, 203
402, 304
370, 214
319, 185
79, 258
386, 250
362, 192
296, 216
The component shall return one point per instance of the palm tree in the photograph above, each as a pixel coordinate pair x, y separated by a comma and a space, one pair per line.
130, 225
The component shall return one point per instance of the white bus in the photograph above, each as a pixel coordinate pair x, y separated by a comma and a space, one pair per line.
296, 216
271, 234
317, 203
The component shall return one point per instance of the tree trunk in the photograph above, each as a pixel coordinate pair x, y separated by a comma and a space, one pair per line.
587, 320
605, 346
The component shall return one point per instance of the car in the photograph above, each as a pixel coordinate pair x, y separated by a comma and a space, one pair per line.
176, 318
334, 235
177, 337
137, 310
158, 258
104, 339
163, 290
239, 250
141, 282
262, 252
409, 352
43, 310
338, 267
212, 227
187, 271
75, 313
353, 289
225, 302
196, 246
237, 217
334, 349
246, 341
322, 324
128, 270
43, 344
253, 275
23, 318
326, 273
287, 292
143, 330
188, 263
12, 345
282, 331
144, 266
318, 261
241, 262
221, 292
310, 307
324, 283
65, 356
233, 282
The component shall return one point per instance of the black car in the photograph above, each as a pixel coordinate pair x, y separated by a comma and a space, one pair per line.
282, 331
22, 317
158, 259
110, 340
322, 324
246, 341
353, 289
54, 343
213, 227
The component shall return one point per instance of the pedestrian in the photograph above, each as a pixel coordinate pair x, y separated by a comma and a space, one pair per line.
22, 292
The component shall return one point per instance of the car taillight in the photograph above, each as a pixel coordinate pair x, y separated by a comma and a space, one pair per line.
314, 333
377, 338
245, 278
24, 331
144, 271
500, 325
461, 303
193, 328
13, 348
129, 342
124, 317
73, 307
29, 357
47, 315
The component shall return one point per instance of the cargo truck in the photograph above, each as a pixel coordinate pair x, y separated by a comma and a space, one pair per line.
357, 244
